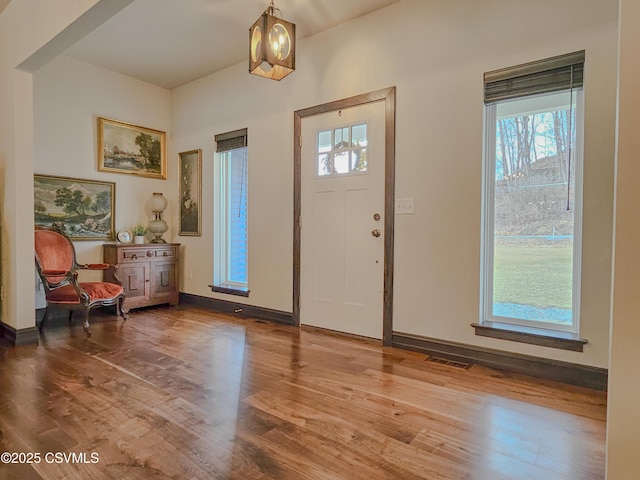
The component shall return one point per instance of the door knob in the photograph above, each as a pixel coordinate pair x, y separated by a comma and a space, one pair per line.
375, 232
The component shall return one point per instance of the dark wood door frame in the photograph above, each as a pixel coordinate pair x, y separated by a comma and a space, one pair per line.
387, 95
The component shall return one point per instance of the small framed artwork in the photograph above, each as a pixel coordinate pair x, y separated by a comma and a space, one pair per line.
83, 209
190, 169
126, 148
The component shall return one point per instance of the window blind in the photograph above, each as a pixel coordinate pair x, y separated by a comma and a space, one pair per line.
231, 140
542, 76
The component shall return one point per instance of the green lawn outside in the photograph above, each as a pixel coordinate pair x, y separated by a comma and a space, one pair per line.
536, 275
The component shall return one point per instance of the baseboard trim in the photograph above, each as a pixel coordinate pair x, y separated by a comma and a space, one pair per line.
22, 336
240, 309
565, 372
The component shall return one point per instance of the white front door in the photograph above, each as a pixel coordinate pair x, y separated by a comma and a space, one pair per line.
342, 225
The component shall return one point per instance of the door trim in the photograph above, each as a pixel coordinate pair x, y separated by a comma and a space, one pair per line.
387, 95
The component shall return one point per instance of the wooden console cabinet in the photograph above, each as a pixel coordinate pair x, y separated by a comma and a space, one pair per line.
149, 272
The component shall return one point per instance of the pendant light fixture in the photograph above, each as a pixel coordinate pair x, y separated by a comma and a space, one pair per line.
272, 45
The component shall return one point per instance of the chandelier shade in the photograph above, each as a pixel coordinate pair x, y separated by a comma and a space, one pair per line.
272, 43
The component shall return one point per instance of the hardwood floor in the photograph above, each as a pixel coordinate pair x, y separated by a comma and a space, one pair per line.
181, 393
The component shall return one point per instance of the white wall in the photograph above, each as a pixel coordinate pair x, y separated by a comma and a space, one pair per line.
69, 96
623, 421
435, 53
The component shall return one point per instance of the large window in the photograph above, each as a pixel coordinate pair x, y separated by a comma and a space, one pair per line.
230, 236
532, 194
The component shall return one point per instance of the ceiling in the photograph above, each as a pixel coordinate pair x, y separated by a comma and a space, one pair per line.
172, 42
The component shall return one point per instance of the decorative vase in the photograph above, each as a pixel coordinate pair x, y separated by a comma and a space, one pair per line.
157, 227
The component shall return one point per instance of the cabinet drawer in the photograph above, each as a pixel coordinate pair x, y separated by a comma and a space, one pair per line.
132, 255
169, 252
127, 255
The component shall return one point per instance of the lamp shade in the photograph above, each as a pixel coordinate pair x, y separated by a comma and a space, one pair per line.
157, 202
272, 43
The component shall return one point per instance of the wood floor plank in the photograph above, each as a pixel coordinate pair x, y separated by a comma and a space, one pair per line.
183, 393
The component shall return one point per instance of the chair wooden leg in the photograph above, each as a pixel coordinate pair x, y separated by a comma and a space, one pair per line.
70, 315
85, 324
121, 308
44, 318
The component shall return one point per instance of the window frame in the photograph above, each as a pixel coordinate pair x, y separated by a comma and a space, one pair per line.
333, 151
488, 223
222, 230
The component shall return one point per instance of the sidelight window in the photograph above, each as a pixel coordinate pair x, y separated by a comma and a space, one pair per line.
533, 194
231, 232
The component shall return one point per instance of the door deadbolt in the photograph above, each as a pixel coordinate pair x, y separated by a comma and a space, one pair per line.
375, 232
376, 217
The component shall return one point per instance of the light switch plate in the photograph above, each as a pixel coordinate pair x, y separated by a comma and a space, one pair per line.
405, 206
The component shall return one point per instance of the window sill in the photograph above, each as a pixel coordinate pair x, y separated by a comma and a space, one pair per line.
532, 335
230, 290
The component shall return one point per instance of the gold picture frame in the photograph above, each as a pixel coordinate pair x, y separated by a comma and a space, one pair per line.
127, 148
190, 177
83, 209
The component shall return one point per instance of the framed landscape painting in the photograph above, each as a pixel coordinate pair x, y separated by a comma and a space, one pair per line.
126, 148
190, 170
83, 209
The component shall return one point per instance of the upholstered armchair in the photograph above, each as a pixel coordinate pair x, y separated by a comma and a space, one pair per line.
56, 264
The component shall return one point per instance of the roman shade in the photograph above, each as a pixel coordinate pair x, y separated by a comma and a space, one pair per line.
231, 140
542, 76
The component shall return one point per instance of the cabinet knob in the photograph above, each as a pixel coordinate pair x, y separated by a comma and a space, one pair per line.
149, 253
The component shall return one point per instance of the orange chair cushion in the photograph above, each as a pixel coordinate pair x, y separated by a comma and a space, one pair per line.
98, 266
54, 250
97, 291
55, 254
49, 273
